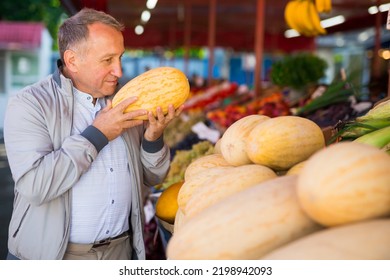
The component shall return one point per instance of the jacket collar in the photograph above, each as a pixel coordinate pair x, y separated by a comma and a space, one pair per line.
57, 72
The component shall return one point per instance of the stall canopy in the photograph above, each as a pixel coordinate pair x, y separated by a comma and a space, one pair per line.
20, 35
235, 21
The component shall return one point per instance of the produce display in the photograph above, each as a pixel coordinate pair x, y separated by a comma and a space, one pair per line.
373, 128
182, 159
273, 184
298, 71
272, 105
336, 92
318, 194
179, 128
211, 95
160, 86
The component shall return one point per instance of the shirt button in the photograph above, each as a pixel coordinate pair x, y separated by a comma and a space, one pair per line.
89, 97
111, 169
107, 231
112, 201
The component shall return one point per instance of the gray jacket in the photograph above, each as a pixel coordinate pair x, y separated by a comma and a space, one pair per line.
46, 161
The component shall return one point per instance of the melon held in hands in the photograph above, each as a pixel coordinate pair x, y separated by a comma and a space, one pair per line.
157, 87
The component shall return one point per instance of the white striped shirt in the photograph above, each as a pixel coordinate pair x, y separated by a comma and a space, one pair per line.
101, 198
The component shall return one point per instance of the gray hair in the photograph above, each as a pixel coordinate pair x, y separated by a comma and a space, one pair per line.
74, 30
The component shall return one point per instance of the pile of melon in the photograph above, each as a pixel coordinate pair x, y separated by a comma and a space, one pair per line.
276, 191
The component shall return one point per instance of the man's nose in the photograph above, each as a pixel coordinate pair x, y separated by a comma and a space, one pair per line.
117, 70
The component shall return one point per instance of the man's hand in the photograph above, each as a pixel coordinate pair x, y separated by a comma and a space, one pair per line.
156, 125
113, 121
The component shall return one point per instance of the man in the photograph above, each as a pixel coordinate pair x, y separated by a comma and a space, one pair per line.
79, 165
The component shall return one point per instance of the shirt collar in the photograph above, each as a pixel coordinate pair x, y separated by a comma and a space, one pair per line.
86, 99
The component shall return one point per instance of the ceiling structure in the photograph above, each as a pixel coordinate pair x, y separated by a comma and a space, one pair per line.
235, 22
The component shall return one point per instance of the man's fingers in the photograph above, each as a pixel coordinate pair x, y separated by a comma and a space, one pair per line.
151, 118
160, 115
133, 114
179, 110
126, 103
132, 123
171, 112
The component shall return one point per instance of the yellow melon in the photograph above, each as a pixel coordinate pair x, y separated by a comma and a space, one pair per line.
345, 182
190, 185
282, 142
166, 205
203, 163
367, 240
234, 138
246, 225
221, 186
160, 86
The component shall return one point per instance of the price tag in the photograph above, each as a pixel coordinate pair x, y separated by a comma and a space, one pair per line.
149, 211
204, 132
388, 21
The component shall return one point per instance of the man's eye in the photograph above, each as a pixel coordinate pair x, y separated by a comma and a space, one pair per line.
108, 60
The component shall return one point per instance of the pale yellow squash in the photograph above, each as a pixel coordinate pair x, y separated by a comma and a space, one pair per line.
346, 182
219, 187
203, 163
217, 147
234, 138
296, 169
282, 142
368, 240
246, 225
189, 186
179, 219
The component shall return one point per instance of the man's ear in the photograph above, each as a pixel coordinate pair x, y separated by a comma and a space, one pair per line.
70, 59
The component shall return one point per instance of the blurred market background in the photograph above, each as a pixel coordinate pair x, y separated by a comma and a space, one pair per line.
240, 56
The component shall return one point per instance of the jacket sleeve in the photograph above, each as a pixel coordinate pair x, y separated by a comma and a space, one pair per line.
44, 164
155, 158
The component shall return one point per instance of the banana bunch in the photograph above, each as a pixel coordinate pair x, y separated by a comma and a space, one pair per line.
302, 15
323, 6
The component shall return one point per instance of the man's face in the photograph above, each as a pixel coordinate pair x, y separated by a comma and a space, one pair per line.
98, 61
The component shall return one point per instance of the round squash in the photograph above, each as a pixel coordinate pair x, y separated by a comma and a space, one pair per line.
190, 186
233, 139
179, 219
346, 182
296, 169
217, 147
246, 225
230, 183
160, 86
203, 163
368, 240
282, 142
166, 205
